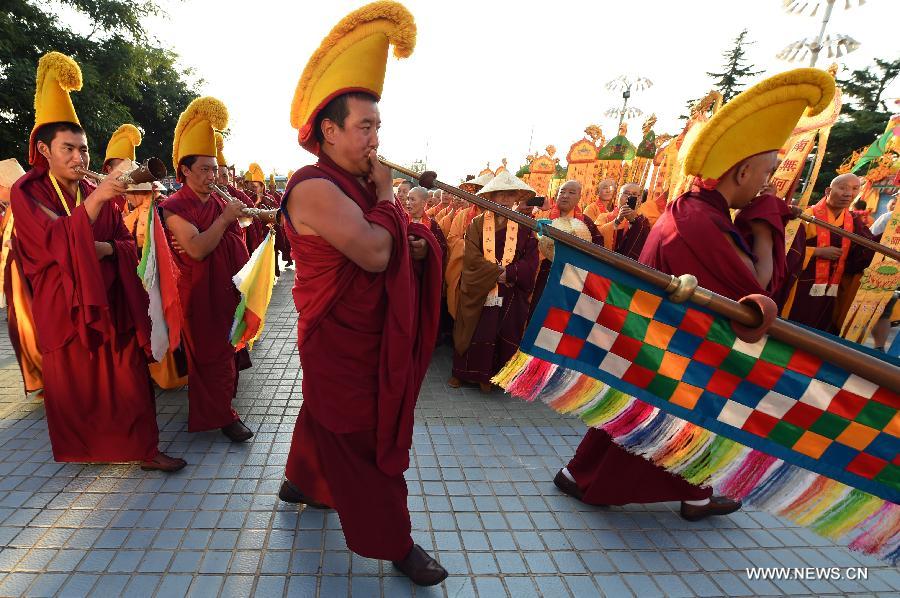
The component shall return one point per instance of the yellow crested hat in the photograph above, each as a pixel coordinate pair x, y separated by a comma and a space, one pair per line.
220, 145
758, 120
57, 75
122, 143
197, 125
290, 175
352, 58
255, 174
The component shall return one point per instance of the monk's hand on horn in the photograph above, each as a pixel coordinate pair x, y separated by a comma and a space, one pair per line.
380, 176
418, 248
233, 210
109, 188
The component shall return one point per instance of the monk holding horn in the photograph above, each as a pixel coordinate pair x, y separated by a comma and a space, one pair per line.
367, 291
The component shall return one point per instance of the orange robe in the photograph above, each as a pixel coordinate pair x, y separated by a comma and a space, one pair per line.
20, 320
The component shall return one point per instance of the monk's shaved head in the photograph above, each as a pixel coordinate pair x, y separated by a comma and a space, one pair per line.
415, 201
847, 177
567, 197
419, 193
842, 191
576, 185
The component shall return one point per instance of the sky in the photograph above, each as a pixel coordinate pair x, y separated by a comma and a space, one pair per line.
494, 79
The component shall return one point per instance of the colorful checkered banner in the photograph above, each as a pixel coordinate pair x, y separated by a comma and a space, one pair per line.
764, 422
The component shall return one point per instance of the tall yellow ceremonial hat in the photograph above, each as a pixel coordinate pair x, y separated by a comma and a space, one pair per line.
272, 179
352, 58
255, 174
122, 143
195, 134
290, 175
220, 145
57, 75
758, 120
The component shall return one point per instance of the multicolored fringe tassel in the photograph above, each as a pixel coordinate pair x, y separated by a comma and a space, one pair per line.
843, 514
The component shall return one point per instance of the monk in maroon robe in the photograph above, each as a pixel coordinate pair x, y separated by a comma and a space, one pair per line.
695, 235
823, 267
265, 200
255, 232
567, 199
415, 209
494, 295
210, 250
89, 308
627, 232
368, 301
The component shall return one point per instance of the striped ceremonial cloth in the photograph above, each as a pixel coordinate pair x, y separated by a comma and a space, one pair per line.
615, 351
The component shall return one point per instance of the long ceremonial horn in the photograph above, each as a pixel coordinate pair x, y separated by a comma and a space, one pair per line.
867, 243
685, 287
152, 170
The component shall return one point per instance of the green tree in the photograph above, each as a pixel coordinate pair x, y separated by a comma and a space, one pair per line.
127, 77
863, 116
867, 87
734, 71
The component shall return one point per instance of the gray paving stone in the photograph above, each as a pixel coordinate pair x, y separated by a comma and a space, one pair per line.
613, 585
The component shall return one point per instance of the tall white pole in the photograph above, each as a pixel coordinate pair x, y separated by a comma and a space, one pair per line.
816, 47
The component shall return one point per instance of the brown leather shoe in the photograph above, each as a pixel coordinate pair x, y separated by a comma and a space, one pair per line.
236, 431
290, 493
421, 568
566, 485
718, 505
454, 382
163, 462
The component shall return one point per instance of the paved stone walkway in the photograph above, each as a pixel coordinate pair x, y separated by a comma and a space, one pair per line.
481, 498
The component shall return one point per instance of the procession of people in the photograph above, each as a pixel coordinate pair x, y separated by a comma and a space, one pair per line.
385, 270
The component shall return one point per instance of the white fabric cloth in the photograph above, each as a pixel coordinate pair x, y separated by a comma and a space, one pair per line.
880, 224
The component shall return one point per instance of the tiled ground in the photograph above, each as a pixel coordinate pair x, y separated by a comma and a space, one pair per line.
481, 497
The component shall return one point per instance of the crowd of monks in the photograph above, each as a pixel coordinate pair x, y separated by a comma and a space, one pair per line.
383, 274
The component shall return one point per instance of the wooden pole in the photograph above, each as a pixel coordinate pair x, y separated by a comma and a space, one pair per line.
681, 288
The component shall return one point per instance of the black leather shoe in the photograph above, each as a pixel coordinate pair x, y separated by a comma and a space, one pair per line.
236, 431
290, 493
566, 485
718, 505
420, 568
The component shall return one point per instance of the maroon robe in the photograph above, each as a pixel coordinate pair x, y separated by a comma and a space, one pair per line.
282, 245
775, 212
256, 231
821, 312
485, 338
91, 325
441, 241
687, 238
630, 242
208, 300
365, 341
544, 269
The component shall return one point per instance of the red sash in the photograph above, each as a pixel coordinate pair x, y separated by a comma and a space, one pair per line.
828, 272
